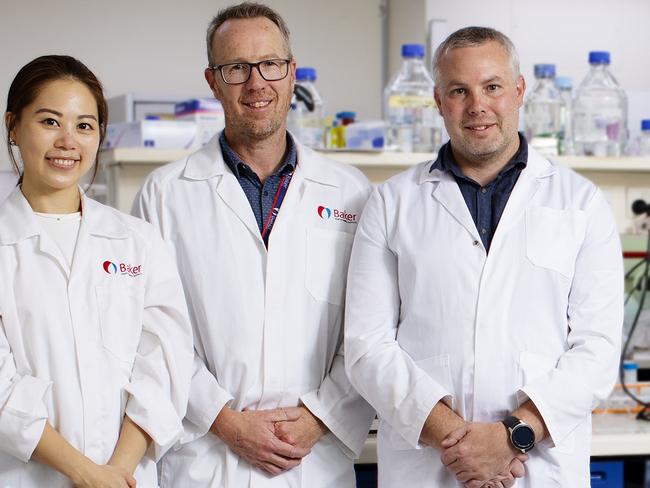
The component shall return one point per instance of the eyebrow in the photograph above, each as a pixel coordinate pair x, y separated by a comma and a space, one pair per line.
59, 114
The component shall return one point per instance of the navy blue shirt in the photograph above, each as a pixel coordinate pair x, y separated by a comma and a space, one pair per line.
485, 203
259, 195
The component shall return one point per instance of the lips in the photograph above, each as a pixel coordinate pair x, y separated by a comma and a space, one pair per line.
478, 127
257, 103
63, 163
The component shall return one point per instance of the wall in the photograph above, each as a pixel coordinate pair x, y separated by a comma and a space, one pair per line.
157, 47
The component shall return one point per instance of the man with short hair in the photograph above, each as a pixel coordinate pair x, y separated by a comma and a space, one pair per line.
262, 228
484, 307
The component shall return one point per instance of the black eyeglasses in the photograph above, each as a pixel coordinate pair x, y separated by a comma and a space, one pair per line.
238, 73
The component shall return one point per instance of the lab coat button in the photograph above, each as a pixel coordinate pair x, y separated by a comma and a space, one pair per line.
475, 243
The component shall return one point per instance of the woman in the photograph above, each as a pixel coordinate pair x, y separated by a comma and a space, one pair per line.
95, 344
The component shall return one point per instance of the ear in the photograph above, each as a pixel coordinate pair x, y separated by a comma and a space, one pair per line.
10, 123
210, 77
436, 97
521, 89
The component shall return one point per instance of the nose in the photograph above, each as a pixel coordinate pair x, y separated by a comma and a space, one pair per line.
475, 103
255, 80
66, 140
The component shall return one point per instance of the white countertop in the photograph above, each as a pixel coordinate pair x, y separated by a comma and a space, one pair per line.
613, 435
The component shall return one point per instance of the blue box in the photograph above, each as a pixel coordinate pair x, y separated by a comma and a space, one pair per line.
606, 474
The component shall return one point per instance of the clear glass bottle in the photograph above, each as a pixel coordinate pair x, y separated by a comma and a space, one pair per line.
644, 139
412, 118
600, 111
307, 125
565, 87
542, 112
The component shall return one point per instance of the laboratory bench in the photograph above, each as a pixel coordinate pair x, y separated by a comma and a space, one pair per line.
622, 179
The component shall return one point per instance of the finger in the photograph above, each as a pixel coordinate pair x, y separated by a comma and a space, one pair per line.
448, 457
464, 476
283, 463
454, 436
474, 484
517, 469
522, 457
269, 468
286, 450
285, 414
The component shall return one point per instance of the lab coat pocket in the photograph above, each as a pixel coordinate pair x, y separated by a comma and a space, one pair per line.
534, 365
120, 318
328, 255
438, 368
553, 238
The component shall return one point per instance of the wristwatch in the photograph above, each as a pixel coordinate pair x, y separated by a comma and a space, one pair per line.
522, 435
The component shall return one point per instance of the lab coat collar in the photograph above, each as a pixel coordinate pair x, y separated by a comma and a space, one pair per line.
93, 219
536, 167
17, 220
208, 162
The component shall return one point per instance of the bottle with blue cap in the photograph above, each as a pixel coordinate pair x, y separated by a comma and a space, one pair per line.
542, 112
565, 88
412, 118
644, 140
600, 111
306, 117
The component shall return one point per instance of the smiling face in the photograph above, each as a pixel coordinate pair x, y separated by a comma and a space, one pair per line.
257, 109
479, 98
58, 137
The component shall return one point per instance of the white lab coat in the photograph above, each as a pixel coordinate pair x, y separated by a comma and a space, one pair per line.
431, 317
80, 347
268, 325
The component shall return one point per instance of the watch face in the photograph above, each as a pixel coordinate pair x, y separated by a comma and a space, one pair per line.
523, 436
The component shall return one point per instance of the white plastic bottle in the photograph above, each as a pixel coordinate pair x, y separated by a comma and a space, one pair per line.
542, 112
600, 111
565, 86
307, 125
644, 139
412, 118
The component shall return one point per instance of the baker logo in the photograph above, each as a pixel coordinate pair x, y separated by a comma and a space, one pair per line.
122, 268
324, 212
343, 215
109, 267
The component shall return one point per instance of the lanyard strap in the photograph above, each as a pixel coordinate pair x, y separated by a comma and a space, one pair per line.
275, 207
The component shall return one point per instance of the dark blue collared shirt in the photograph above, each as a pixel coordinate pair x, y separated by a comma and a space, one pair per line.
260, 195
485, 203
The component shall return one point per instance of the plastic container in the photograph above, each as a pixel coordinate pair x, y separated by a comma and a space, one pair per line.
365, 135
565, 87
644, 139
413, 122
307, 125
600, 111
343, 119
630, 370
542, 112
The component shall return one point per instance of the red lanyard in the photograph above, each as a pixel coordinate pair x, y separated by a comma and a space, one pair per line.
275, 207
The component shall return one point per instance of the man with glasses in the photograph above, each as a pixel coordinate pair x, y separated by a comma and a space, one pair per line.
262, 229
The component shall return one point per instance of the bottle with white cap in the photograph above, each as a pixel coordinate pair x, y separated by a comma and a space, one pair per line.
542, 112
565, 86
305, 118
600, 111
412, 118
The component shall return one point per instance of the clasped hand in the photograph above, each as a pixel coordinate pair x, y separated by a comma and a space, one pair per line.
271, 440
480, 455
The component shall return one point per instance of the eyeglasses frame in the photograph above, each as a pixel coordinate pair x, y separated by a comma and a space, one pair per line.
251, 66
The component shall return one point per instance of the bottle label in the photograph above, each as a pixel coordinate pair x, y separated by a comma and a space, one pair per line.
411, 101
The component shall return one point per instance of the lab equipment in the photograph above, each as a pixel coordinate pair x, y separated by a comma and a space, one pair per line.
414, 124
565, 87
644, 138
307, 110
600, 111
542, 112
